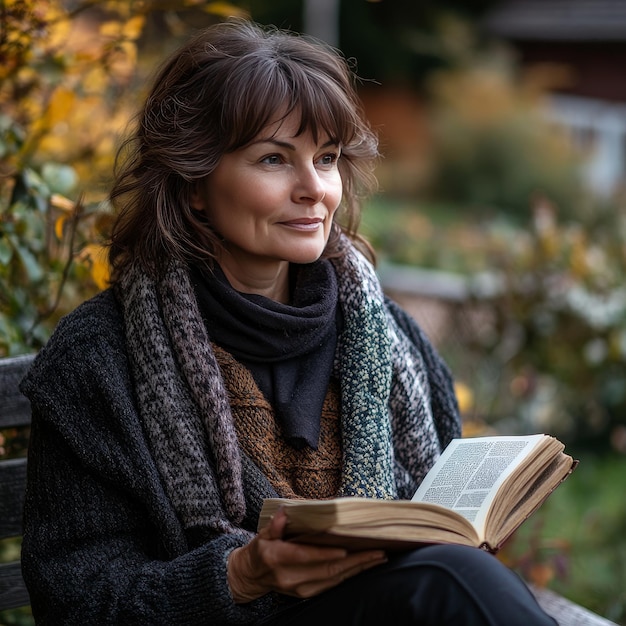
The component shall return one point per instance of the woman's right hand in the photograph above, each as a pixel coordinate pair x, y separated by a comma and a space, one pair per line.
268, 563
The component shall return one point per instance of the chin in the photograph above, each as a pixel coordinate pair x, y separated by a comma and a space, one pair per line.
305, 254
304, 258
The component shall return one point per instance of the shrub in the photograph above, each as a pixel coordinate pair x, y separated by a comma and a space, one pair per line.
69, 76
541, 340
493, 148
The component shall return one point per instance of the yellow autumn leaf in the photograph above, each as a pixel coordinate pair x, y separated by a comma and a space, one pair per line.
60, 106
100, 274
123, 62
464, 396
27, 75
58, 226
95, 257
225, 9
111, 29
54, 146
96, 80
132, 29
123, 8
58, 31
130, 52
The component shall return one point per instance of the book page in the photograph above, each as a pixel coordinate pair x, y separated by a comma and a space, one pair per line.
468, 474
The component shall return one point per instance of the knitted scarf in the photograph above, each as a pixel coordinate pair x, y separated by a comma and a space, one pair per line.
389, 435
281, 344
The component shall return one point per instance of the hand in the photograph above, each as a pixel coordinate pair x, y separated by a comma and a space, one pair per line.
268, 563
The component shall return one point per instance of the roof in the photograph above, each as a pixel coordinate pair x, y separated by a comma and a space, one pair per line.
566, 20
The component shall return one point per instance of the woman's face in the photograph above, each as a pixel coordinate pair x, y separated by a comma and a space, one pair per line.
273, 203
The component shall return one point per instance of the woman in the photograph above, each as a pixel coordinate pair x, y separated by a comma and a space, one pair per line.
245, 350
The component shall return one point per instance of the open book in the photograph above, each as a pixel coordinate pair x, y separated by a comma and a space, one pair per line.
477, 493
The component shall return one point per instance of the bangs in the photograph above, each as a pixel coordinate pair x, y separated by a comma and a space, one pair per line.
277, 88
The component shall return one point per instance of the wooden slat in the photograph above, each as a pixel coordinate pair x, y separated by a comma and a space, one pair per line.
14, 411
565, 612
14, 407
13, 592
12, 487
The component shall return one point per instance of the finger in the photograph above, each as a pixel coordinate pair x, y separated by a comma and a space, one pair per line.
276, 527
353, 564
362, 565
306, 554
335, 577
314, 578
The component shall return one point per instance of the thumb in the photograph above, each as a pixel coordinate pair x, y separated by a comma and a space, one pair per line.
277, 525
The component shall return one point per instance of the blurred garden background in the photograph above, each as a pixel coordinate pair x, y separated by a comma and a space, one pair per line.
500, 221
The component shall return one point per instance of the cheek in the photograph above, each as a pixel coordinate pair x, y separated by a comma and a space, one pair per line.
336, 194
333, 184
255, 194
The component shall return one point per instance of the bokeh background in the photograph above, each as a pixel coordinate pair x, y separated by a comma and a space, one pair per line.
500, 221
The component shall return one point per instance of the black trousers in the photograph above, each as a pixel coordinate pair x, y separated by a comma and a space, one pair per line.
432, 586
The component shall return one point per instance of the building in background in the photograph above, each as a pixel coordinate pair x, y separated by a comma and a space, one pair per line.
584, 42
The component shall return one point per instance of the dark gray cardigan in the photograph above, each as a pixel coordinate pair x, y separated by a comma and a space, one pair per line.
102, 542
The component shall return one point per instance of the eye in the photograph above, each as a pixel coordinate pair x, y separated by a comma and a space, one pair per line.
328, 159
272, 159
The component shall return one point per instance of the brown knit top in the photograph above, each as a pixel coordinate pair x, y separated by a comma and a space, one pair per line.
294, 473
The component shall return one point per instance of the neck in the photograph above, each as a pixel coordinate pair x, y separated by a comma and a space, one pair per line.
272, 283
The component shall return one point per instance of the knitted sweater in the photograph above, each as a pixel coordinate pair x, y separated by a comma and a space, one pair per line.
293, 472
103, 543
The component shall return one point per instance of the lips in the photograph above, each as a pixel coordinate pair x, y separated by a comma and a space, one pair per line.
304, 223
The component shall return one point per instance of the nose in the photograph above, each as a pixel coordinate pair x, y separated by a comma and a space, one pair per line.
309, 186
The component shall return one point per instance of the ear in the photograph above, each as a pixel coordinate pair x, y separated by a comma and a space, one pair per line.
197, 202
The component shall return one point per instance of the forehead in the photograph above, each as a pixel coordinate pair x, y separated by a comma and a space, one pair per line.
292, 125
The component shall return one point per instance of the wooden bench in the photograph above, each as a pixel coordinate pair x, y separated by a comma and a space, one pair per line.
15, 412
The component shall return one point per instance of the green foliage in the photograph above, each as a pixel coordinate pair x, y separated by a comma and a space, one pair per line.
575, 541
17, 617
558, 330
392, 42
69, 78
539, 347
35, 264
493, 147
541, 341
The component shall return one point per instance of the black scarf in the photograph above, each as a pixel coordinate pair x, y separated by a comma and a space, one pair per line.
289, 348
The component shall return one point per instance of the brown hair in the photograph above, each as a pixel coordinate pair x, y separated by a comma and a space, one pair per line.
213, 96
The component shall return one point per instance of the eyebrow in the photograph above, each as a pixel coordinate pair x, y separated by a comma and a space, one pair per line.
290, 146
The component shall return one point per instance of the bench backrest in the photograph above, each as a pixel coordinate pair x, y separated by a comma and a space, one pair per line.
14, 412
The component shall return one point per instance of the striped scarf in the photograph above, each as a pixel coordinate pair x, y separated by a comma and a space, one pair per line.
397, 410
